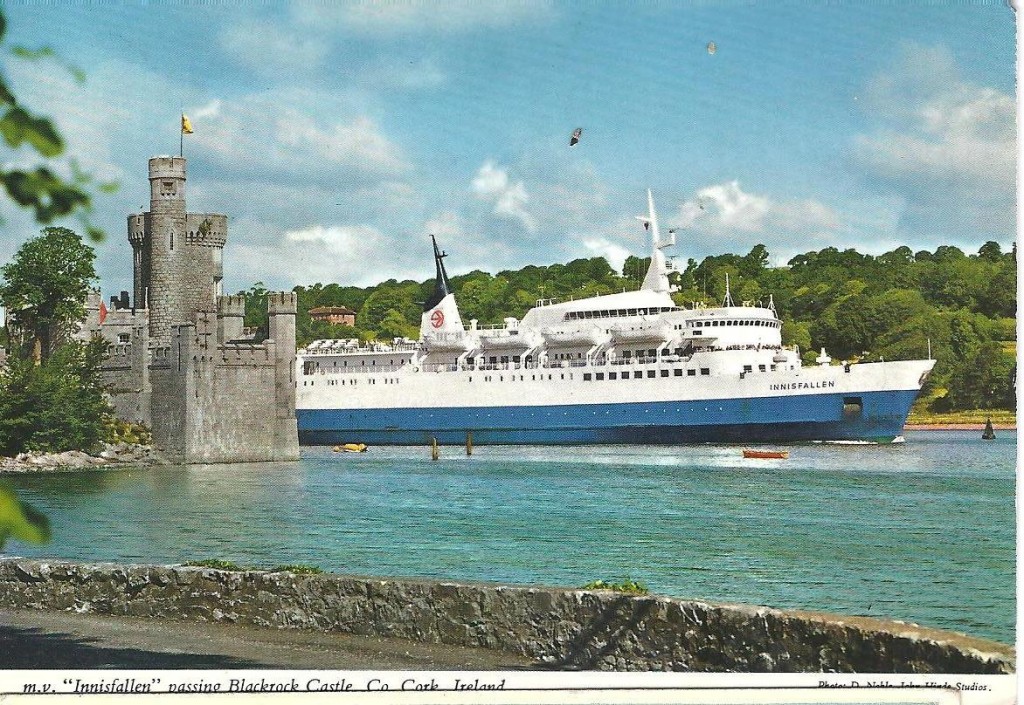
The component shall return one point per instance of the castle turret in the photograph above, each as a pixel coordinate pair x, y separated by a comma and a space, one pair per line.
178, 262
230, 317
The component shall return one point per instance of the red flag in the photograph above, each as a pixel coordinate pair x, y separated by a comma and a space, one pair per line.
103, 312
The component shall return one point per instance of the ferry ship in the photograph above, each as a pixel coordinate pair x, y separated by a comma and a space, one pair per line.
632, 367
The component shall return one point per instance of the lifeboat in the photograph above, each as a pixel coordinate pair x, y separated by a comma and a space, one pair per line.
641, 330
503, 340
573, 336
765, 454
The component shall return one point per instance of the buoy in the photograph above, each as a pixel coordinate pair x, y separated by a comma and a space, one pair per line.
989, 433
435, 453
354, 447
469, 443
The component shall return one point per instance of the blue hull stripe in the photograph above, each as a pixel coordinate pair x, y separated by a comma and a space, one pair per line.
786, 418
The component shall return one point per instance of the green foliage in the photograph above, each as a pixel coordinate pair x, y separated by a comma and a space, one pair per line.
45, 285
55, 406
117, 431
20, 521
216, 564
984, 381
298, 569
626, 585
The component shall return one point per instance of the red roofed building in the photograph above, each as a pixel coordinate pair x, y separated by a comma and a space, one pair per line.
338, 315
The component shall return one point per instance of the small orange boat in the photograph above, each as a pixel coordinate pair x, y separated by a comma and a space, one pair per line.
748, 453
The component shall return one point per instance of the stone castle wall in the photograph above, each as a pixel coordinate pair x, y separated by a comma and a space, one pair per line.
569, 629
186, 370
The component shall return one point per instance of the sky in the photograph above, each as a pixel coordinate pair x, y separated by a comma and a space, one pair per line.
337, 137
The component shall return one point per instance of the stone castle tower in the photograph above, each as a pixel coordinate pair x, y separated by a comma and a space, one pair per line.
178, 359
177, 255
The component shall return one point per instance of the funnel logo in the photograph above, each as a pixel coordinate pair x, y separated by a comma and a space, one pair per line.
437, 319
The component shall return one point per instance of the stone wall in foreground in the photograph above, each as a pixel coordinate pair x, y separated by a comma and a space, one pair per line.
570, 629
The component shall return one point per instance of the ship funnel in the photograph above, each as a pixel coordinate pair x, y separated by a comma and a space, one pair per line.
441, 319
442, 287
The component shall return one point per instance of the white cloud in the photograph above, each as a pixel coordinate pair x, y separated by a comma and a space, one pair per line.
269, 48
492, 184
615, 253
419, 16
209, 110
948, 147
723, 209
267, 134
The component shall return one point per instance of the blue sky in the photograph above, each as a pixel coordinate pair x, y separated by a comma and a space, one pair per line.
337, 136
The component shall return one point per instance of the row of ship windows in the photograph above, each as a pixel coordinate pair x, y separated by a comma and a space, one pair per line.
733, 322
577, 315
587, 376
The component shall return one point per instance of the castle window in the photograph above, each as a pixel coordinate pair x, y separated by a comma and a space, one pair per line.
166, 188
123, 337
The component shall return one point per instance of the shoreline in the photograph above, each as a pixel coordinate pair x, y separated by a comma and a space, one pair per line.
968, 426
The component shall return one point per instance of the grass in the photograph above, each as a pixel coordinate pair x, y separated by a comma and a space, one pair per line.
218, 564
627, 586
921, 414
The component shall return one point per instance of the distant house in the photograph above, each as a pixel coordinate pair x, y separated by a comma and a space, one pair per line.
337, 315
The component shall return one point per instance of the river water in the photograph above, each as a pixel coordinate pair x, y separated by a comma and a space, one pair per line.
922, 531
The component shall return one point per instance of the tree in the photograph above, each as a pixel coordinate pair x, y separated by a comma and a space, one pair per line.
56, 406
45, 285
984, 382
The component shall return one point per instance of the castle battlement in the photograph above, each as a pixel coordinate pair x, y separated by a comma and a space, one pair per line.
165, 167
282, 302
206, 229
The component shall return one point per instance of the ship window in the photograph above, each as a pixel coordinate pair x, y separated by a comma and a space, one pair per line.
698, 332
650, 373
613, 375
626, 354
679, 351
748, 368
638, 374
652, 353
678, 372
599, 376
852, 405
664, 373
691, 373
760, 368
705, 370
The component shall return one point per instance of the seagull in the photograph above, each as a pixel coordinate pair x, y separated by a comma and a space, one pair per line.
575, 136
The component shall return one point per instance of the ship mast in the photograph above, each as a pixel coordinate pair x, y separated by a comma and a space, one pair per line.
657, 273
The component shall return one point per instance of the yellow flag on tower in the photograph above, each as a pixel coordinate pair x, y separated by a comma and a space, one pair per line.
186, 125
